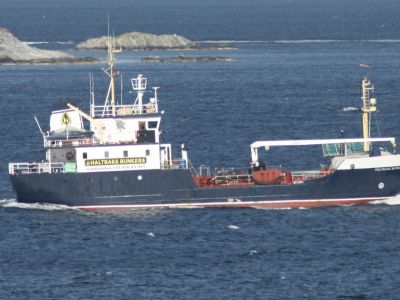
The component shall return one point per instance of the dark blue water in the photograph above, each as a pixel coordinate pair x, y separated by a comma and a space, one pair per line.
274, 90
335, 253
76, 20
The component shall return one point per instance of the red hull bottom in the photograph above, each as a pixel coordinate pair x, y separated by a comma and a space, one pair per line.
259, 204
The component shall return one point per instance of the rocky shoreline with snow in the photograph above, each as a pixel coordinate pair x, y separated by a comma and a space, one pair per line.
14, 51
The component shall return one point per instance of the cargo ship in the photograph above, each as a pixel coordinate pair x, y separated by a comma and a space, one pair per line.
120, 163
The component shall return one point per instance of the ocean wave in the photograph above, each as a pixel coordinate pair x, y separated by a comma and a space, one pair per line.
150, 234
231, 41
350, 108
37, 206
306, 41
43, 42
381, 41
233, 227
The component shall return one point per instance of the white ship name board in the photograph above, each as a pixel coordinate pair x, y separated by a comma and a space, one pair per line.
115, 161
118, 158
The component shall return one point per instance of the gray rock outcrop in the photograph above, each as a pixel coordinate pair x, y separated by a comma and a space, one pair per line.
141, 41
13, 51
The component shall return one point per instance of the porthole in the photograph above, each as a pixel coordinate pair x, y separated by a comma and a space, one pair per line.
139, 177
115, 178
352, 166
381, 185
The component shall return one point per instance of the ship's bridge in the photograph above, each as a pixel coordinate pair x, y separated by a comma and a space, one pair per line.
139, 107
138, 122
111, 123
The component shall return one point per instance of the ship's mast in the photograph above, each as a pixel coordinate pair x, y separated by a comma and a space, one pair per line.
368, 106
112, 74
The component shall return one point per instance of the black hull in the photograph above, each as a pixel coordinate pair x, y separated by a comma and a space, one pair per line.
158, 188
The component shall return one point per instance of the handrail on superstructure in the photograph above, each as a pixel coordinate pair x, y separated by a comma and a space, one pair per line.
35, 168
258, 144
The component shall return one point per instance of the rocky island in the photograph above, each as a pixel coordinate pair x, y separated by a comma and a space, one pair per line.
141, 41
147, 41
13, 51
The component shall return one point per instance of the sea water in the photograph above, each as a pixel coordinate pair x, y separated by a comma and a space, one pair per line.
296, 73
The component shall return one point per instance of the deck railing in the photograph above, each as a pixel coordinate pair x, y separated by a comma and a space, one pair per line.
300, 176
342, 149
71, 142
35, 168
122, 110
178, 164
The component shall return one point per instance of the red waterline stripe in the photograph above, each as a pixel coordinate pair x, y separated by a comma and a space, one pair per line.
266, 204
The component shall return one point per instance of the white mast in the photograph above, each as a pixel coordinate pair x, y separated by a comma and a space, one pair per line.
139, 86
368, 106
110, 73
91, 94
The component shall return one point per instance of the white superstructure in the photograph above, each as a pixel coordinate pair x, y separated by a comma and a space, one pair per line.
121, 136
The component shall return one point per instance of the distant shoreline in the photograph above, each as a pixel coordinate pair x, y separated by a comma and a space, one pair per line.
55, 61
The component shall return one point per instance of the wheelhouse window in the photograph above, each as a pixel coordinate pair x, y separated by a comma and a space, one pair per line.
152, 124
84, 155
125, 153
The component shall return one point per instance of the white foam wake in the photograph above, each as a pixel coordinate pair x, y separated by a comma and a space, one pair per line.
271, 208
390, 201
232, 41
39, 206
5, 201
300, 41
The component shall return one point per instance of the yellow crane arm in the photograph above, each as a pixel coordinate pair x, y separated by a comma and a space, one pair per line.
85, 115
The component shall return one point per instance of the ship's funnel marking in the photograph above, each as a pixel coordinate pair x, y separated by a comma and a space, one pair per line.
65, 119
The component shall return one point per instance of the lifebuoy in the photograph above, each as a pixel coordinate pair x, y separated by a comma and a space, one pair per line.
70, 156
